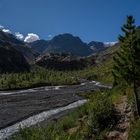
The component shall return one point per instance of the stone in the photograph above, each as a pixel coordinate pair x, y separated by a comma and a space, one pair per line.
113, 135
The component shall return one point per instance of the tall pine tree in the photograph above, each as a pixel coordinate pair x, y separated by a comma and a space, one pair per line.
127, 60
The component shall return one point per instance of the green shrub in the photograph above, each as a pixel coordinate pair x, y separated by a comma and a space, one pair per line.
134, 132
102, 112
36, 77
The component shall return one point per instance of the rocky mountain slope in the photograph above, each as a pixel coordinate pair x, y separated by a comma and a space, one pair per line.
11, 60
62, 61
25, 49
40, 45
97, 46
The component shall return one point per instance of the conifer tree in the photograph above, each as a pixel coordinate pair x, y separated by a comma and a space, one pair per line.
127, 60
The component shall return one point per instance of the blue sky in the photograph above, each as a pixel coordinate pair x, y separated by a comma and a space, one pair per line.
98, 20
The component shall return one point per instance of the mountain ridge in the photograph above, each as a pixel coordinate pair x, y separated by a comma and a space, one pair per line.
67, 43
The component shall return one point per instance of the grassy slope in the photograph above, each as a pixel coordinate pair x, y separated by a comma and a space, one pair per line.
103, 70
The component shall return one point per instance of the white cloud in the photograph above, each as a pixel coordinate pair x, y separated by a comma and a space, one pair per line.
31, 37
6, 31
19, 36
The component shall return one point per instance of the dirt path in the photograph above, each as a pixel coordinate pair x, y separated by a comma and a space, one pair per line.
123, 112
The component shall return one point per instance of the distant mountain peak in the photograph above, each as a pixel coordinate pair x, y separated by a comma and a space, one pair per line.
66, 36
67, 43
